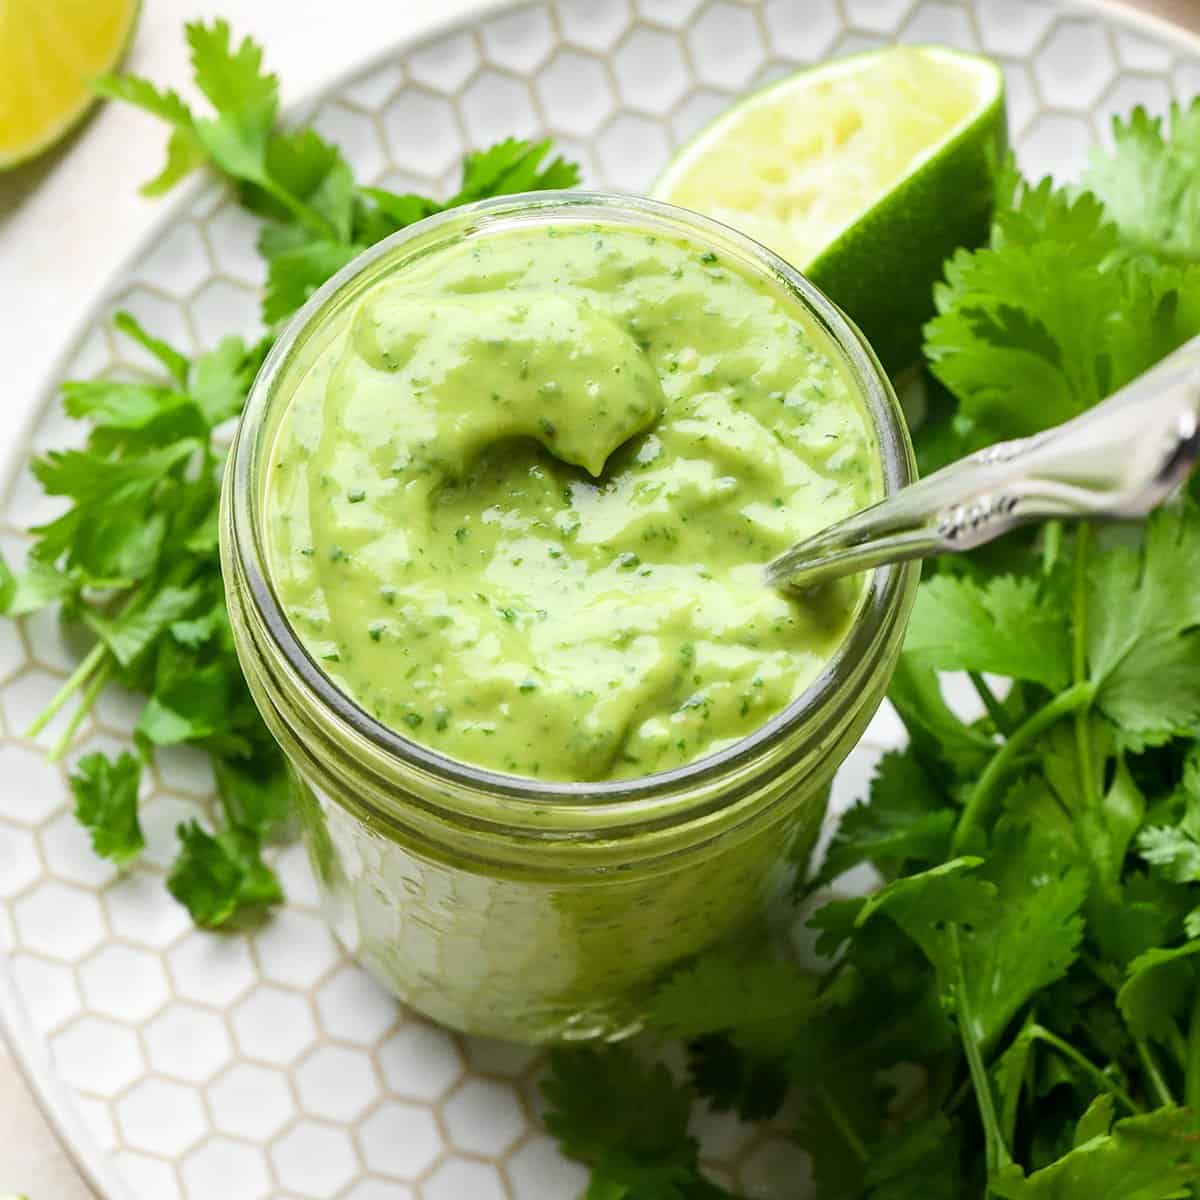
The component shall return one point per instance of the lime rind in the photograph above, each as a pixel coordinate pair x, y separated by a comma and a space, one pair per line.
879, 259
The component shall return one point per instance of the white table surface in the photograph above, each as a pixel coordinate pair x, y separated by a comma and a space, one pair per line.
67, 222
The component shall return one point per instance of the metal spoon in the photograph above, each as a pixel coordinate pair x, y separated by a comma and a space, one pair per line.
1120, 459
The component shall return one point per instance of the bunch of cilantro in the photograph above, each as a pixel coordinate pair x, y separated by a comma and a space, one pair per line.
1015, 1012
133, 562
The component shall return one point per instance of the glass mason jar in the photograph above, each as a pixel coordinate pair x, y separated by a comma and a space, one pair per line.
517, 908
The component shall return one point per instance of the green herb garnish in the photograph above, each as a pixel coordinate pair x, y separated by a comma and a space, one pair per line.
1034, 947
134, 558
106, 804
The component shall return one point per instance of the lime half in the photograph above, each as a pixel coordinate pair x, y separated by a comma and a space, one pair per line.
864, 172
50, 51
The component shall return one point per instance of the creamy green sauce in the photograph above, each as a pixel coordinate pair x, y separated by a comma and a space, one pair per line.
518, 508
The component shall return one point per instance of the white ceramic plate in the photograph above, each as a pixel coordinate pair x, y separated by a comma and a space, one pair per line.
178, 1064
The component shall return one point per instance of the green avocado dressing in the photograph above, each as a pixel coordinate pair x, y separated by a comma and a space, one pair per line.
519, 506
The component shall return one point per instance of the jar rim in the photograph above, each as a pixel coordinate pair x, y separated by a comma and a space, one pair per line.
884, 593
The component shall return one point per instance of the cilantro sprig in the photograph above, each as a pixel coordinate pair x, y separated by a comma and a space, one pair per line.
317, 217
133, 559
1032, 952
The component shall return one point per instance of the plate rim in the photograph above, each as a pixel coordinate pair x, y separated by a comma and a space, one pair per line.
27, 1048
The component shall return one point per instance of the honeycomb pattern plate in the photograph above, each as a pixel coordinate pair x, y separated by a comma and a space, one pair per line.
184, 1066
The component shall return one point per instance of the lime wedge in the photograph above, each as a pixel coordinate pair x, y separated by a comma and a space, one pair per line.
50, 51
865, 172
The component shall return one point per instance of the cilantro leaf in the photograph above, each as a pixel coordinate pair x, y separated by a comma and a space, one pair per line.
176, 364
907, 820
512, 166
294, 273
299, 261
1006, 628
1009, 1075
90, 478
240, 137
758, 1003
920, 1162
739, 1018
197, 631
1035, 931
1054, 316
1099, 827
169, 106
1096, 1121
119, 405
131, 633
192, 705
1144, 630
1016, 934
729, 1080
883, 1008
505, 168
1148, 1157
304, 165
302, 183
1158, 988
254, 792
115, 530
8, 588
246, 100
830, 1129
402, 209
106, 804
1174, 850
185, 152
1150, 183
925, 905
219, 381
939, 738
26, 591
600, 1101
629, 1121
221, 878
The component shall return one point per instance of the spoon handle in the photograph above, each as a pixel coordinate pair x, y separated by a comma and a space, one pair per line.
1120, 459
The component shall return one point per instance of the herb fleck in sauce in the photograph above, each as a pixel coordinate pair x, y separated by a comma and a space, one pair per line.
523, 501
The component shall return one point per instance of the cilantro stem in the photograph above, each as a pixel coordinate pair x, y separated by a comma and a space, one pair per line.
1051, 545
841, 1123
1104, 972
1083, 541
1042, 1034
995, 709
985, 790
308, 216
1083, 740
86, 703
1191, 1075
1157, 1082
996, 1151
77, 679
961, 1092
1179, 1047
